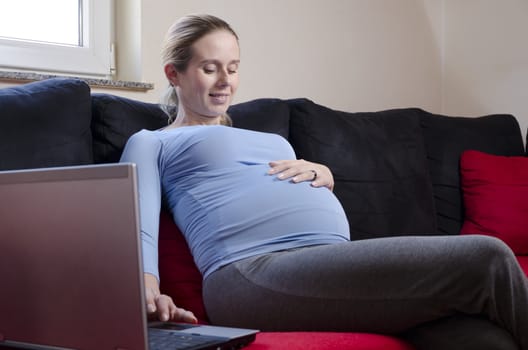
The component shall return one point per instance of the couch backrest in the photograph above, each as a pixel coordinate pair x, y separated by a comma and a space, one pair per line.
115, 119
394, 168
265, 114
44, 124
396, 171
446, 137
379, 164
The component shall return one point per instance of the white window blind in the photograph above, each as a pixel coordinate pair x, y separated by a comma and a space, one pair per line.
69, 36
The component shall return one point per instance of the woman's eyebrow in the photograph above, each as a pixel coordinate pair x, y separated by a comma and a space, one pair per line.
205, 61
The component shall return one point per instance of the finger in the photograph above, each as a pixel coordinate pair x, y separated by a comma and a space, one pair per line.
189, 317
322, 183
151, 301
277, 166
151, 292
151, 308
281, 162
184, 315
298, 173
180, 314
163, 306
167, 310
308, 175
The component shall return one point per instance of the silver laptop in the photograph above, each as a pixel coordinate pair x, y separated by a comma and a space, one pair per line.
70, 267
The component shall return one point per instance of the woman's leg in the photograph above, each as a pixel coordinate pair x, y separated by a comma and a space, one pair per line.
386, 285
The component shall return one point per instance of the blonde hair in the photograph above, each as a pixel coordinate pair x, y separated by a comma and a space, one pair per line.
177, 50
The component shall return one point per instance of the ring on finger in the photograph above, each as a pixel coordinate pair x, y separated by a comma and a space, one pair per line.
314, 175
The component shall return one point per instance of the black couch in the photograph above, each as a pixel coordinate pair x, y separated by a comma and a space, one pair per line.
396, 171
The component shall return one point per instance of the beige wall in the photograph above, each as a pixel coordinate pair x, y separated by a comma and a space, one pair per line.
347, 54
486, 58
457, 57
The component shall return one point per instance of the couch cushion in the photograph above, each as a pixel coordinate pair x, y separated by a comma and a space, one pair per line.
495, 189
45, 124
115, 119
378, 162
179, 276
445, 139
326, 341
265, 114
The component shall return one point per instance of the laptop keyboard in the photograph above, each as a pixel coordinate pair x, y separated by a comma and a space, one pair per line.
166, 340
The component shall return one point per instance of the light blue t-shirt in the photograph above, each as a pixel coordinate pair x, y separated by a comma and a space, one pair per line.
214, 181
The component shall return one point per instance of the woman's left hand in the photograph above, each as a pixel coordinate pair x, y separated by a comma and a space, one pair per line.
300, 170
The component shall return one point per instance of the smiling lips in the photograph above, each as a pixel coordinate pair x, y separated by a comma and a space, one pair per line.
219, 98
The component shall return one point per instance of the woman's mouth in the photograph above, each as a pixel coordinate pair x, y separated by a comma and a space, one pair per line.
219, 98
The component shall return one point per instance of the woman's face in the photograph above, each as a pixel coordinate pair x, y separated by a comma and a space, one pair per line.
206, 88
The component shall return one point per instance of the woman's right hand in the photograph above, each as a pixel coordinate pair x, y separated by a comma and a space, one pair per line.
161, 306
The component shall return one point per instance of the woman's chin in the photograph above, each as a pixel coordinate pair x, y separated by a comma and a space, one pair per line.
217, 111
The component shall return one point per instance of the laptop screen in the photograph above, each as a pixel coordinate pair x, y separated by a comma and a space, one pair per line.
71, 274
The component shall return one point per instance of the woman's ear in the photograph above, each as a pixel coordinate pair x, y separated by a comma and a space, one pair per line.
171, 74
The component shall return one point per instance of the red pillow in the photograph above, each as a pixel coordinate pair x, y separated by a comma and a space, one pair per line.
179, 276
495, 190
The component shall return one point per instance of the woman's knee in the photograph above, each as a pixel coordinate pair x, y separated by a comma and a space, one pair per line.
491, 248
488, 254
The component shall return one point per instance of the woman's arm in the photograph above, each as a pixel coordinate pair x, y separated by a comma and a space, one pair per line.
299, 170
143, 149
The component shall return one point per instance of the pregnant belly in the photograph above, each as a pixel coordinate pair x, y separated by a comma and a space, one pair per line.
225, 220
249, 201
274, 207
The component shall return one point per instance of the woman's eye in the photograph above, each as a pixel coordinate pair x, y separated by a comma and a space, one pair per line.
208, 70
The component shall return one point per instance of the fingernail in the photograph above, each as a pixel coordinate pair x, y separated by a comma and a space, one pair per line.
191, 317
164, 317
151, 308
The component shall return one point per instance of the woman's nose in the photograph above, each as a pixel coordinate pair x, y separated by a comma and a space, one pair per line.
223, 79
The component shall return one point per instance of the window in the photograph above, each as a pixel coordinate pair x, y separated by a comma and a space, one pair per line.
63, 36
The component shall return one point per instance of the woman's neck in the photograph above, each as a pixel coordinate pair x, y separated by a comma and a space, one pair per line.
184, 119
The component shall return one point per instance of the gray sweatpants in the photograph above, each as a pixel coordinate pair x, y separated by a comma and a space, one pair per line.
416, 287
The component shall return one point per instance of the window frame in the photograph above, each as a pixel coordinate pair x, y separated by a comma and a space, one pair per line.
94, 58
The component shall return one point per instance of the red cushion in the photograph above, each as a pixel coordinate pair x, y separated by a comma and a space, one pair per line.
326, 341
179, 276
495, 190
